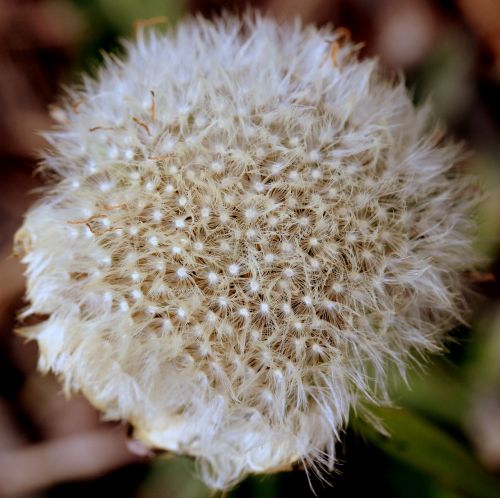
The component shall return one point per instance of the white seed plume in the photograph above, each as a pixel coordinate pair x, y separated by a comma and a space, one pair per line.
248, 228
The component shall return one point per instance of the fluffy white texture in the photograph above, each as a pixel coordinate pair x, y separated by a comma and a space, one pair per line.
247, 228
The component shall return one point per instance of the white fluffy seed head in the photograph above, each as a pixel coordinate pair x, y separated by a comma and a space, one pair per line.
212, 278
182, 273
233, 269
335, 236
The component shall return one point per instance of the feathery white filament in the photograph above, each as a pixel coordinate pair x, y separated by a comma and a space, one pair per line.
271, 224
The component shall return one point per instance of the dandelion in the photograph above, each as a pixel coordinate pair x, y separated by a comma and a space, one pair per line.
287, 221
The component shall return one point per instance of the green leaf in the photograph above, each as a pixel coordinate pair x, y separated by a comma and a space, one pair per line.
264, 486
421, 444
439, 393
175, 478
121, 14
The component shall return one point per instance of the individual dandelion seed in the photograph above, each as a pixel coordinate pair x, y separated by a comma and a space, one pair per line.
281, 229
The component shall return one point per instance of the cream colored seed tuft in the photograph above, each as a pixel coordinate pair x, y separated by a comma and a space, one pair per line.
267, 240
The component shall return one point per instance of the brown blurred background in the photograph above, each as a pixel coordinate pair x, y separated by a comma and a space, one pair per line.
50, 446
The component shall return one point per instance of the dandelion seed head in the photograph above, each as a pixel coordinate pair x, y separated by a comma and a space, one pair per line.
335, 232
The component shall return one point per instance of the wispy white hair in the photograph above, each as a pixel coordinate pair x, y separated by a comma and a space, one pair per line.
248, 227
